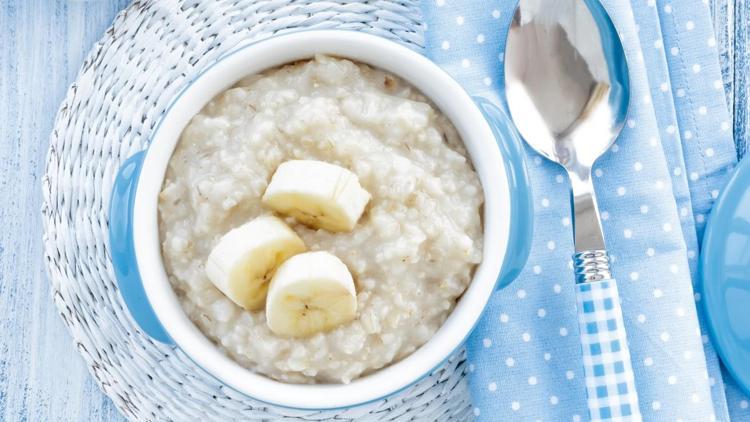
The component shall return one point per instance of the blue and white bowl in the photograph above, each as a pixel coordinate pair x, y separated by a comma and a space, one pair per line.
492, 144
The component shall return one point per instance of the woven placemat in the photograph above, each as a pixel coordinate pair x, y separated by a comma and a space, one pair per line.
150, 52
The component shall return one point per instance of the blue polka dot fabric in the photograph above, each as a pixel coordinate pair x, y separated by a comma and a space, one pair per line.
655, 187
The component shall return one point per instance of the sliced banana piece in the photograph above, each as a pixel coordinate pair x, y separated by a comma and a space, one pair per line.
311, 292
242, 263
318, 194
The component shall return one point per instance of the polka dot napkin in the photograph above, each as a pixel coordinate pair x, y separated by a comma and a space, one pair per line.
655, 186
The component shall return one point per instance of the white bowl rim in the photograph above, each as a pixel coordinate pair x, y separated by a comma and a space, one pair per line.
378, 52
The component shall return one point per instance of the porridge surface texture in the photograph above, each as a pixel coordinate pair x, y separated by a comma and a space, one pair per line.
412, 254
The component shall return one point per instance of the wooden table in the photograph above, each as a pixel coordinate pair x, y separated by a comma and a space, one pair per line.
732, 25
42, 45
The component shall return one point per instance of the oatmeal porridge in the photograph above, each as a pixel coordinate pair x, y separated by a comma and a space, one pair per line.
411, 252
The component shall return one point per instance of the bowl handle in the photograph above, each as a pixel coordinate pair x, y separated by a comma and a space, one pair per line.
522, 206
122, 249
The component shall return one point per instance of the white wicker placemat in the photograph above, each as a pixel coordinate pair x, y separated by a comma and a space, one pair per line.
151, 51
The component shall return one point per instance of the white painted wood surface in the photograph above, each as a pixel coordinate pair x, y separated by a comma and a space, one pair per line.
42, 45
732, 24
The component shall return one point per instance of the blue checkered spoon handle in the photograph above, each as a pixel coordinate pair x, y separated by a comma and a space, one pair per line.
610, 382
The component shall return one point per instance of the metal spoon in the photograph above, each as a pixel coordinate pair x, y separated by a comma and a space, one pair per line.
568, 90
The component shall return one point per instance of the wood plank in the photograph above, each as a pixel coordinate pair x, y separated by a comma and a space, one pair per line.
42, 377
722, 12
741, 61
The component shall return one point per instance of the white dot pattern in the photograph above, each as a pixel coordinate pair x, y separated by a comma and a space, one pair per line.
677, 105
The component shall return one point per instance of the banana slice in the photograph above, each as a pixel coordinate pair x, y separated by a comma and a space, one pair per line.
243, 262
317, 194
311, 292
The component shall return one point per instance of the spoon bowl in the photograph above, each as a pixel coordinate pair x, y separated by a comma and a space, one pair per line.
566, 80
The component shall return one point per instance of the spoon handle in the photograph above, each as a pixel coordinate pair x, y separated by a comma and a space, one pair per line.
610, 382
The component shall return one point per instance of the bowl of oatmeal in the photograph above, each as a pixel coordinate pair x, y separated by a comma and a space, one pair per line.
320, 218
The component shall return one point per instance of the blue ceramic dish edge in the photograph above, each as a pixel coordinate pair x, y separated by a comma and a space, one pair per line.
130, 282
717, 244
